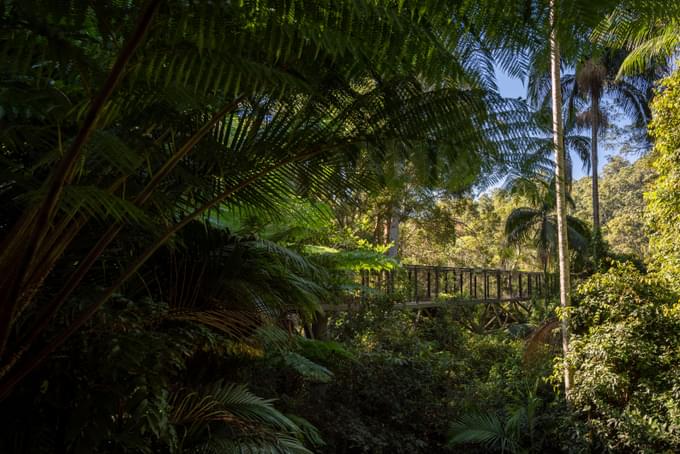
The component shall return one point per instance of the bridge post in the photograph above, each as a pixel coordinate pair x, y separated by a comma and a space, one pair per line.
499, 295
529, 285
521, 292
510, 285
427, 293
436, 283
415, 284
553, 284
539, 286
446, 281
485, 286
536, 285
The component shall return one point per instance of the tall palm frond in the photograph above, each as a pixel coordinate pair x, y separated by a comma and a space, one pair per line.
520, 223
537, 223
211, 276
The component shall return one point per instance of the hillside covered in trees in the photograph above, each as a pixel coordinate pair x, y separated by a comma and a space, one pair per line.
314, 226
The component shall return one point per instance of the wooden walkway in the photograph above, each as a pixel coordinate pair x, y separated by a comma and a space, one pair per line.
423, 286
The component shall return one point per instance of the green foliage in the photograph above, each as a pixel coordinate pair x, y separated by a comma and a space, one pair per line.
324, 352
464, 231
487, 430
411, 375
370, 258
219, 403
625, 359
211, 270
306, 368
246, 161
664, 199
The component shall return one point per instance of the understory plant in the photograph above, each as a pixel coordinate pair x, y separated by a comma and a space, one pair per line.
626, 359
141, 378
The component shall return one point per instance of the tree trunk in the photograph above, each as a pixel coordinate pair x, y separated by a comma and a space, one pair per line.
394, 233
379, 229
560, 182
320, 327
594, 112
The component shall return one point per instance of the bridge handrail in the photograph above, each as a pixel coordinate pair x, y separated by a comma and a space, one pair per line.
465, 282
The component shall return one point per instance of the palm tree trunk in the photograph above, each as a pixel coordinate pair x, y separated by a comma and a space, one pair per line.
594, 112
560, 181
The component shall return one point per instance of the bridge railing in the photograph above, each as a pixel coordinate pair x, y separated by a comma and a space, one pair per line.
422, 283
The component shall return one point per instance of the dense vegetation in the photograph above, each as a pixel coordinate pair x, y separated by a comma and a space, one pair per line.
184, 185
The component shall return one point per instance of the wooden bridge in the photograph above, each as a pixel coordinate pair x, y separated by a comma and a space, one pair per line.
420, 286
494, 298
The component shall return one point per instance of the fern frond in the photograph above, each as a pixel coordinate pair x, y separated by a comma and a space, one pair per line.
98, 203
306, 368
251, 420
485, 429
236, 324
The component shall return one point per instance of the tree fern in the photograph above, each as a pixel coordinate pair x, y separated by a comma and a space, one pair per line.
231, 105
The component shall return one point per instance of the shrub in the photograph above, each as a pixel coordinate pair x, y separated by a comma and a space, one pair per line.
626, 358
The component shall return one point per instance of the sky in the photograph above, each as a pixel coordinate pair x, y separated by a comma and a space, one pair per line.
510, 87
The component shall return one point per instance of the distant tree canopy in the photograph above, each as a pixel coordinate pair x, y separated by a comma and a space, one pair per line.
622, 205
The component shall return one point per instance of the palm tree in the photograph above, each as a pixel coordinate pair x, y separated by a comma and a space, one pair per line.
595, 79
583, 91
561, 191
537, 223
542, 157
